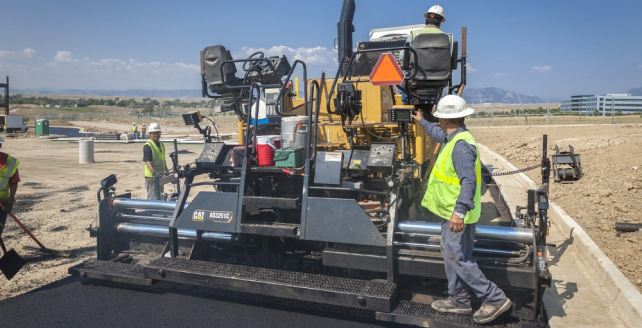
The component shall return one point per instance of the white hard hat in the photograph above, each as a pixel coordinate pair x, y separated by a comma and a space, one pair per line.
133, 123
154, 127
452, 106
437, 10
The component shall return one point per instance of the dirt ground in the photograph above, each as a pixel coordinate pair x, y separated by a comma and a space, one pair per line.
56, 200
610, 190
57, 196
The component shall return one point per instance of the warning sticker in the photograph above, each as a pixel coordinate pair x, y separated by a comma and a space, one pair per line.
333, 157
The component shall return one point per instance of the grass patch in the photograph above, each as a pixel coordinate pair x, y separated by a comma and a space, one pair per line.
77, 109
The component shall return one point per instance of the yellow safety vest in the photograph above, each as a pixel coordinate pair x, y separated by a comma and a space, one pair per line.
158, 158
134, 128
443, 183
426, 30
6, 173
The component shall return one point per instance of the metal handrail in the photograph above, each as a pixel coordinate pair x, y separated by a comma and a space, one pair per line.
283, 87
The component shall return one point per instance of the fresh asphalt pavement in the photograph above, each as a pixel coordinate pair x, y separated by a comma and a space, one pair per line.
73, 302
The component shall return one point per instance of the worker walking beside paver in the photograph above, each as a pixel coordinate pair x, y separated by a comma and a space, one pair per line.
454, 194
154, 158
9, 179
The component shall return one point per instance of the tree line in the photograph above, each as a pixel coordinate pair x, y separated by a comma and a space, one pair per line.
146, 104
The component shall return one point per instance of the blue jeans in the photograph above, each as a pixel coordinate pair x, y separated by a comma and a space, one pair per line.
143, 134
464, 276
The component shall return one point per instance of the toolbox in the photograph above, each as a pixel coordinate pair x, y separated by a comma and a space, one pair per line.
289, 157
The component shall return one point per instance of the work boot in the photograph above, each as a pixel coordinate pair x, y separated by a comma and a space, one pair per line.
488, 313
448, 306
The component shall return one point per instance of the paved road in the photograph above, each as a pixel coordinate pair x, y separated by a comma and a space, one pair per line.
73, 303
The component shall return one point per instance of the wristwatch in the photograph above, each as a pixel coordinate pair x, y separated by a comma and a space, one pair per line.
460, 215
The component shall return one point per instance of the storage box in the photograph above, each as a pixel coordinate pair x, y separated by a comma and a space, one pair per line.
238, 154
289, 157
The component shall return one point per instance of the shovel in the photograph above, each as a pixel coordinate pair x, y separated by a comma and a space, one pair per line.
10, 262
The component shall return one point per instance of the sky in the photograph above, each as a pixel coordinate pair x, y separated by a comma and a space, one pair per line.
550, 49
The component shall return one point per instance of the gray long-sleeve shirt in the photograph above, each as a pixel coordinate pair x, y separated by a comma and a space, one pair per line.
464, 156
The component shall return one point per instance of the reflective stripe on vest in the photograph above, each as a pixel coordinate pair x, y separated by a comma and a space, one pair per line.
158, 158
443, 183
6, 173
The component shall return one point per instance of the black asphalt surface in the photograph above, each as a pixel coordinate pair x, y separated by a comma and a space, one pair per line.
73, 302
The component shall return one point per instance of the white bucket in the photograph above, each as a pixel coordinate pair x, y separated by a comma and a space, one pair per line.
85, 151
294, 131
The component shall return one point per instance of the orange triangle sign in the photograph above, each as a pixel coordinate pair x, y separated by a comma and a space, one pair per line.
386, 71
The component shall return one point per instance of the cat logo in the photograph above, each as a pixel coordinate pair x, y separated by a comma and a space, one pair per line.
214, 216
198, 216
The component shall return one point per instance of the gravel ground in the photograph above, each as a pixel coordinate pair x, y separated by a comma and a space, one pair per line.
610, 190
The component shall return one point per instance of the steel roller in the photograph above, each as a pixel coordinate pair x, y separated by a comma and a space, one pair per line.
520, 235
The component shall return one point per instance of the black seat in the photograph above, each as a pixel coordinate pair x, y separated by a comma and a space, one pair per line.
434, 61
213, 58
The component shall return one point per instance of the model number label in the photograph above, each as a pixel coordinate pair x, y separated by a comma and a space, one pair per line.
215, 216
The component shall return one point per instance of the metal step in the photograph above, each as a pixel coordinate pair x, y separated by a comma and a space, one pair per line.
272, 202
371, 295
423, 315
112, 271
274, 230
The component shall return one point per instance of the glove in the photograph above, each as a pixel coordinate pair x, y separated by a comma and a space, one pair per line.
8, 206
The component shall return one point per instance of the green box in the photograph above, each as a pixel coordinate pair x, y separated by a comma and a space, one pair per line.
289, 157
42, 127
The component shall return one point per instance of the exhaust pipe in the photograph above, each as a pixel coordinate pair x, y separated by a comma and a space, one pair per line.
344, 33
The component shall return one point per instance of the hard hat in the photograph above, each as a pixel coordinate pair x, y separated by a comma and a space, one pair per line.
452, 106
143, 124
437, 10
133, 123
154, 127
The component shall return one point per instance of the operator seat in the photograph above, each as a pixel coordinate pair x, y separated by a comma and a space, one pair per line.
434, 61
213, 58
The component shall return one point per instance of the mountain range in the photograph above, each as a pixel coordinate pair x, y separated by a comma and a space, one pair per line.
497, 95
472, 96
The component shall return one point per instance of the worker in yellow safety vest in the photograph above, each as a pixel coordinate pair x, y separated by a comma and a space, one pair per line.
454, 195
134, 131
8, 186
154, 158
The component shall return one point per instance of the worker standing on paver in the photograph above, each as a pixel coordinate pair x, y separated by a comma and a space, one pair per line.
143, 129
154, 158
432, 19
134, 131
8, 186
454, 194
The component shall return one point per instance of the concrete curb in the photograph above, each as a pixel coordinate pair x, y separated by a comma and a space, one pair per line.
621, 290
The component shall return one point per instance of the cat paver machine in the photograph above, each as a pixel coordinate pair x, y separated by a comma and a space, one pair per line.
335, 222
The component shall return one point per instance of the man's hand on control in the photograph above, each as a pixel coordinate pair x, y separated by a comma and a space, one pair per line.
417, 115
456, 223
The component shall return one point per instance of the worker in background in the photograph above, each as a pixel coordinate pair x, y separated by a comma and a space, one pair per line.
8, 187
433, 19
154, 158
143, 129
134, 131
454, 194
